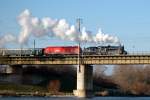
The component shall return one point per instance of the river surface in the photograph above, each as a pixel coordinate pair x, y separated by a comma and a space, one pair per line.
74, 98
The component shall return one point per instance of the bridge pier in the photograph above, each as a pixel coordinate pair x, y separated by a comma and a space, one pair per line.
8, 69
84, 81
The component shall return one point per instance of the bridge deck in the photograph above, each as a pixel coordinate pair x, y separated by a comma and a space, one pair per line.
73, 59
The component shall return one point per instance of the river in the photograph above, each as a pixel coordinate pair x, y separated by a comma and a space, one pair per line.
74, 98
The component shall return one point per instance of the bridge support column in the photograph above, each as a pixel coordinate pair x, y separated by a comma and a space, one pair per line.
9, 70
84, 81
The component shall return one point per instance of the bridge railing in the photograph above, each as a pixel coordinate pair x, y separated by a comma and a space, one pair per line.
139, 53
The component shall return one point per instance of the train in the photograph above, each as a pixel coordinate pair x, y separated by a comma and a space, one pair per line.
51, 50
65, 50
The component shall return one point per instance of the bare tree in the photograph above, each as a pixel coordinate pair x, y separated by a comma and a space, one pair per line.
133, 78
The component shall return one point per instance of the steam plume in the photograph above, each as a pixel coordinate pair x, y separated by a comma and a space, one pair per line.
105, 38
57, 28
60, 29
6, 39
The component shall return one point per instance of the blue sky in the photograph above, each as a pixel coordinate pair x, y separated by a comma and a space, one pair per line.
127, 19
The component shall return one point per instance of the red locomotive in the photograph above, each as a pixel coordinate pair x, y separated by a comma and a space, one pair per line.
51, 50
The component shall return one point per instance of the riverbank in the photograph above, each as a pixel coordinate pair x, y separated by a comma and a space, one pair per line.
10, 89
6, 93
37, 93
17, 90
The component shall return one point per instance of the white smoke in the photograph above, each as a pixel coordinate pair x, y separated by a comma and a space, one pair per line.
7, 39
105, 38
60, 29
86, 36
57, 28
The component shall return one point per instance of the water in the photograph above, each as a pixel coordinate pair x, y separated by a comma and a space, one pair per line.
74, 98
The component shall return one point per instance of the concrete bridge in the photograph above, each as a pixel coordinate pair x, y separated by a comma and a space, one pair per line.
84, 70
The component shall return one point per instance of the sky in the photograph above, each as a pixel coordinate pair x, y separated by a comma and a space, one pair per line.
129, 20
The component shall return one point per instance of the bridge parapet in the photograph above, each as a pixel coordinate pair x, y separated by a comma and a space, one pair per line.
73, 60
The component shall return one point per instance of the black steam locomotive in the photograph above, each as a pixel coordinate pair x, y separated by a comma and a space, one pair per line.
105, 50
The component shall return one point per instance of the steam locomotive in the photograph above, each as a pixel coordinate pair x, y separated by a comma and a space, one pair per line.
105, 50
65, 50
